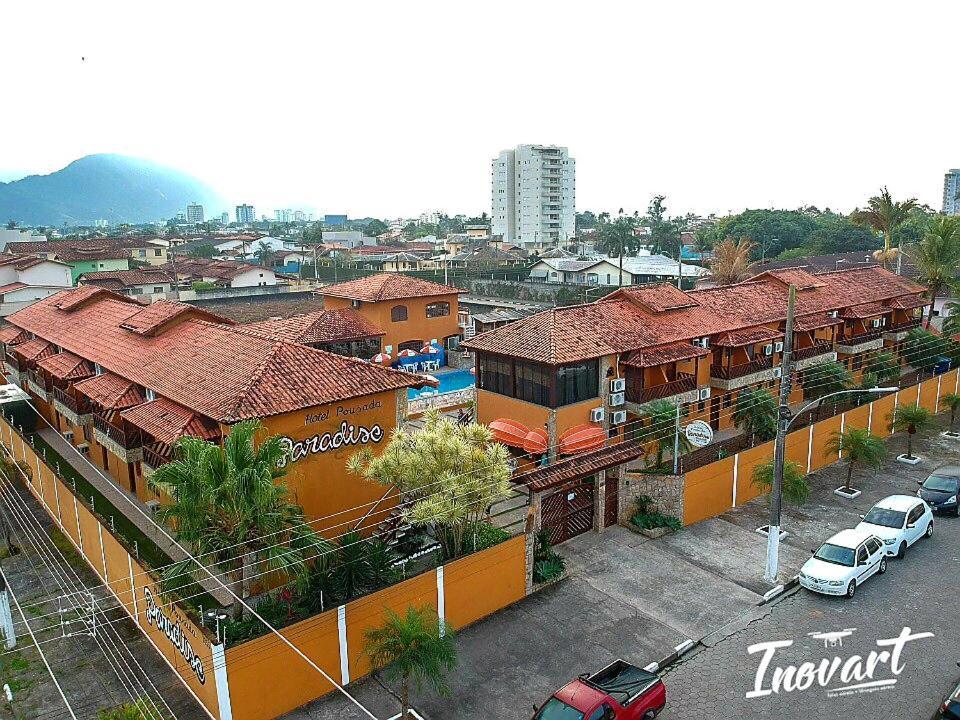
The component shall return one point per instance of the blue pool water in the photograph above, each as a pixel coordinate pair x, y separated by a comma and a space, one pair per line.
449, 382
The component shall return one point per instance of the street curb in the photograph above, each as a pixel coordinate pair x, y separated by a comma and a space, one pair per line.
779, 590
678, 652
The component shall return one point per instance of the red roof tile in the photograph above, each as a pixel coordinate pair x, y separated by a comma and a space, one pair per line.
813, 322
321, 326
866, 310
749, 336
34, 349
909, 303
111, 391
387, 286
657, 298
577, 466
617, 325
649, 357
126, 278
225, 373
11, 335
166, 421
66, 366
798, 277
10, 287
161, 313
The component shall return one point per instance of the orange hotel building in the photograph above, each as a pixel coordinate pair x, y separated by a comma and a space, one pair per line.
410, 312
566, 381
124, 381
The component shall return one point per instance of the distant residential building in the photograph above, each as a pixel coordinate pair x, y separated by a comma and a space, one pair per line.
194, 213
148, 281
348, 238
334, 220
225, 218
533, 189
180, 217
18, 235
285, 215
223, 273
246, 214
95, 254
606, 271
477, 231
299, 216
26, 279
951, 193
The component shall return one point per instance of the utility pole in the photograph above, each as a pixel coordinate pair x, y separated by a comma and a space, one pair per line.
6, 617
779, 447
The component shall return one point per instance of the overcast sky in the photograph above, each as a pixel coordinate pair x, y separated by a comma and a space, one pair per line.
390, 109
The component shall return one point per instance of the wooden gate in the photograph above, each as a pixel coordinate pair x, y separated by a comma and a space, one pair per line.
568, 512
611, 487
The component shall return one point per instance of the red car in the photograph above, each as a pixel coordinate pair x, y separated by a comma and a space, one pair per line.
620, 691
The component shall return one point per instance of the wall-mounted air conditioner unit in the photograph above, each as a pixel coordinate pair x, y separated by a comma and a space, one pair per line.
704, 394
596, 415
777, 372
618, 385
778, 347
768, 350
616, 399
619, 417
835, 314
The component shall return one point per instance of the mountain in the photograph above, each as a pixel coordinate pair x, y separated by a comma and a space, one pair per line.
116, 188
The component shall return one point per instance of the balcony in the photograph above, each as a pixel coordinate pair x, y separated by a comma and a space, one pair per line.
77, 411
152, 459
684, 384
38, 385
12, 366
125, 444
898, 332
736, 376
820, 352
856, 344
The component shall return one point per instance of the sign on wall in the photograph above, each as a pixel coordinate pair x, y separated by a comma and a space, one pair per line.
699, 433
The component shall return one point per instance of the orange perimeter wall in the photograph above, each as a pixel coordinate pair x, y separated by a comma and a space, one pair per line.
719, 486
120, 572
268, 679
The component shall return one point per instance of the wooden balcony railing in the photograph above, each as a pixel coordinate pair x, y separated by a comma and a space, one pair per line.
39, 380
12, 361
128, 440
723, 372
819, 348
682, 384
862, 338
78, 406
154, 458
906, 325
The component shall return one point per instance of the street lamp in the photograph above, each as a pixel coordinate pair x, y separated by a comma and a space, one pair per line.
786, 418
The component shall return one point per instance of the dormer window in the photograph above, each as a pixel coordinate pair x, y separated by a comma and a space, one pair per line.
151, 395
97, 369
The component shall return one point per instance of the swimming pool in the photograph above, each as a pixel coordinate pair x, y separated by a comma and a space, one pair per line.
449, 382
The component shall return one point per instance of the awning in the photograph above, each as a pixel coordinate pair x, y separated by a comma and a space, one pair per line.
67, 366
867, 310
672, 352
749, 336
580, 438
110, 391
509, 432
166, 421
35, 349
536, 442
11, 334
578, 466
909, 303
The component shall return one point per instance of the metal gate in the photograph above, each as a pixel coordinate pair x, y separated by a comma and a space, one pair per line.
610, 514
568, 512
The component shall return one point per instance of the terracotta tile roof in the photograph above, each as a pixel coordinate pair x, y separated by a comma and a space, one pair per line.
66, 366
251, 309
166, 421
649, 357
220, 371
813, 322
111, 391
209, 268
11, 335
77, 298
10, 287
79, 250
617, 325
35, 349
161, 313
125, 278
657, 298
577, 466
386, 286
739, 338
22, 262
802, 279
909, 303
866, 310
320, 326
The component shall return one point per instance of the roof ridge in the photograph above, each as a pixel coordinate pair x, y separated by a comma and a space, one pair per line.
255, 376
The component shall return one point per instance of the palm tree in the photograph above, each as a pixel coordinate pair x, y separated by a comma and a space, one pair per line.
951, 402
413, 647
860, 447
910, 419
826, 378
264, 254
226, 502
951, 323
795, 488
662, 428
618, 236
756, 414
937, 256
731, 260
884, 215
883, 367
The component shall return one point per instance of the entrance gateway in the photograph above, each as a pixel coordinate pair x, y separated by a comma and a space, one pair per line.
568, 512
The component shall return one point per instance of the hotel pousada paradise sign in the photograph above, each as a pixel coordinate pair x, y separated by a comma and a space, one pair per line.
699, 433
346, 435
173, 629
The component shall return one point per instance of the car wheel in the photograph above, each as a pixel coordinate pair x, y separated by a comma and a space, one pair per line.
883, 566
902, 550
852, 589
929, 531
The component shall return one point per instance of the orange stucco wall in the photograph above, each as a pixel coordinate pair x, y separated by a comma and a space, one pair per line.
474, 587
491, 406
417, 326
709, 490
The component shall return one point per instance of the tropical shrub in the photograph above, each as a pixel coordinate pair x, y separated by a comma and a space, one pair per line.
794, 489
756, 414
859, 447
911, 419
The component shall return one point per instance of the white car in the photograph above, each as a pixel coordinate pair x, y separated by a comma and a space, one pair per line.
899, 521
843, 563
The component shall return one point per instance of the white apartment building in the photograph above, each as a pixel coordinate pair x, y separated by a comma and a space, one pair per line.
194, 213
246, 214
951, 193
533, 190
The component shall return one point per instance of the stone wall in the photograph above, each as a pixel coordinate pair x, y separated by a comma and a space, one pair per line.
666, 491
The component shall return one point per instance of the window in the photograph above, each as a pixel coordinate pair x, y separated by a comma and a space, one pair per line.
398, 313
438, 309
873, 545
158, 288
533, 382
355, 304
915, 514
136, 291
578, 382
97, 370
142, 253
496, 374
158, 253
151, 395
862, 555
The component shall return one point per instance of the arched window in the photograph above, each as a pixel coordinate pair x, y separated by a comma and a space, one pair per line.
438, 309
398, 313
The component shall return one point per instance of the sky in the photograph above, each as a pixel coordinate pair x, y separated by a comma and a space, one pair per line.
391, 109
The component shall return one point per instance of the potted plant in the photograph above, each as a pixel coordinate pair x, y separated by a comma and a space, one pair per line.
860, 448
910, 419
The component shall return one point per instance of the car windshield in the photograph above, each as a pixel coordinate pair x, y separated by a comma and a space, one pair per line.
887, 518
940, 483
835, 554
558, 710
